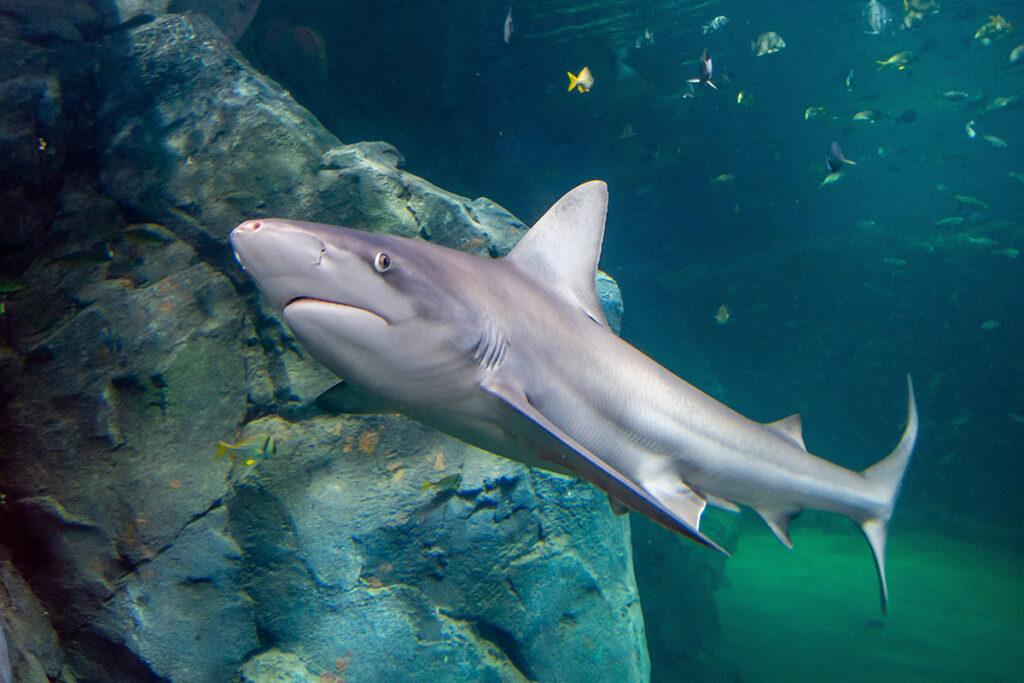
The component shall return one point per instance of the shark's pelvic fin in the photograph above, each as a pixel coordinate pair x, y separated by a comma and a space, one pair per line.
562, 249
683, 518
888, 475
345, 398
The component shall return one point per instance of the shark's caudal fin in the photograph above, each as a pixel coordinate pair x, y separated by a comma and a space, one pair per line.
887, 475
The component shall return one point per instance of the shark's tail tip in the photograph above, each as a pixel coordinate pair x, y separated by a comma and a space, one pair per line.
887, 475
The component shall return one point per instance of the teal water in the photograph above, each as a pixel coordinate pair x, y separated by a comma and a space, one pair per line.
835, 291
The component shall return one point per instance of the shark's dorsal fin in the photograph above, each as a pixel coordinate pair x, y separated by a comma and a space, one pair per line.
792, 428
562, 249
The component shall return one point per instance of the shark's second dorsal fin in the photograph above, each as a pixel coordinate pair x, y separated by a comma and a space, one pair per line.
562, 249
791, 428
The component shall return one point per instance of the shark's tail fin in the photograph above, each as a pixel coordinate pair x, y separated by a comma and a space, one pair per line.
887, 476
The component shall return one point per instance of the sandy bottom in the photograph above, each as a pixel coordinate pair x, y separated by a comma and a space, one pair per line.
956, 609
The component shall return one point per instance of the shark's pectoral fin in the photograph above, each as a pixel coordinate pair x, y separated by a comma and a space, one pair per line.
345, 398
679, 511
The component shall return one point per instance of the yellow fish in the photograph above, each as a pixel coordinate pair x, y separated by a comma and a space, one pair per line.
831, 178
723, 315
450, 482
583, 82
997, 103
898, 60
258, 446
814, 113
722, 179
996, 25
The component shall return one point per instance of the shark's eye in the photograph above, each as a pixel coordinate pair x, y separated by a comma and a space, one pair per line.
381, 262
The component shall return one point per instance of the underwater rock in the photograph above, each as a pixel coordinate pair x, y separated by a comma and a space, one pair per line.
191, 593
493, 578
32, 645
274, 666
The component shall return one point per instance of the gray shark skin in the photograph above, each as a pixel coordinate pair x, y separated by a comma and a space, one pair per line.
514, 355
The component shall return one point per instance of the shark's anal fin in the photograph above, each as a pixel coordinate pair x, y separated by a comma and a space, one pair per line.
617, 507
345, 398
778, 522
680, 512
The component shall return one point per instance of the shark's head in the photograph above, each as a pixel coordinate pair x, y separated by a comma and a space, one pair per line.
377, 310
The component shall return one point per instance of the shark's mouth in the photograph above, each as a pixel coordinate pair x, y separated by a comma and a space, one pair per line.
308, 301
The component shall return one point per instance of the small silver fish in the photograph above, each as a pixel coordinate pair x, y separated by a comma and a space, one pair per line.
509, 28
994, 141
716, 24
645, 39
1017, 55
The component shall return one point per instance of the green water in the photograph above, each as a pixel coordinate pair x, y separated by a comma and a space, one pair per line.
809, 614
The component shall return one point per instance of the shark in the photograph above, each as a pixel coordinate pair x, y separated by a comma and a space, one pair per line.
514, 355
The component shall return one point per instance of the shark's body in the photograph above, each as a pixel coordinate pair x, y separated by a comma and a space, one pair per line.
514, 355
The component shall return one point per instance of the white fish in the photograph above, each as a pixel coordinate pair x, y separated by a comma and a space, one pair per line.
971, 133
879, 18
716, 24
767, 43
994, 141
509, 28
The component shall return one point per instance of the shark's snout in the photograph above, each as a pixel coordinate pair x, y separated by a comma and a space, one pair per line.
282, 257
